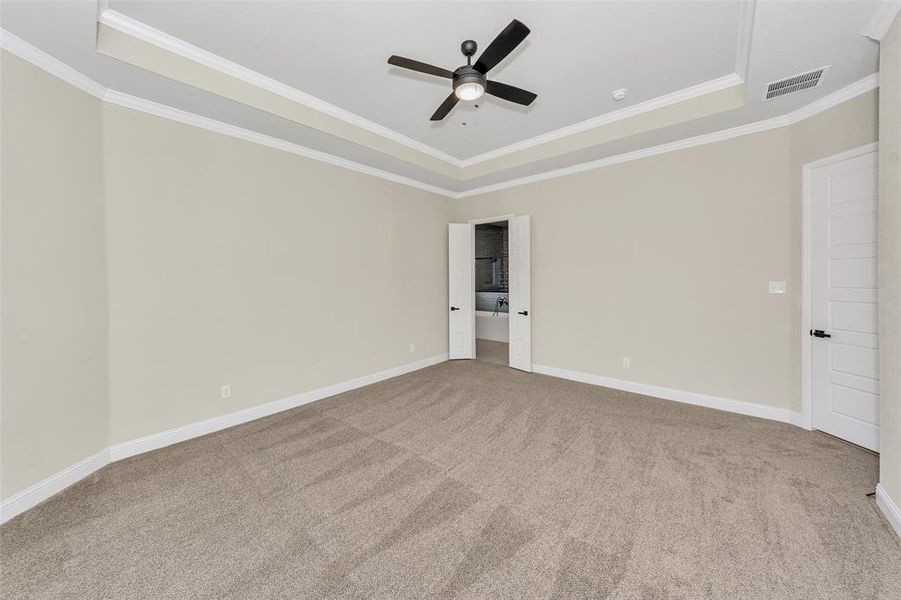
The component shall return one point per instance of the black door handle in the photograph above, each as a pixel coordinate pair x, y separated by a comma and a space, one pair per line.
523, 312
453, 308
819, 333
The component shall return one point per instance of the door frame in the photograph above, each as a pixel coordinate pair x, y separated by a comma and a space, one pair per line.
806, 257
491, 219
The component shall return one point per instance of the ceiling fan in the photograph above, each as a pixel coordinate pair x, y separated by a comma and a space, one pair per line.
469, 81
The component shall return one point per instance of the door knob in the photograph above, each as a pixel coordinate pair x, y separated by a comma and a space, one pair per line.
820, 333
453, 308
523, 312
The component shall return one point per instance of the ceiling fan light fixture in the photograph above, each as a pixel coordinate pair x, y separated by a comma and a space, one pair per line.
469, 84
469, 91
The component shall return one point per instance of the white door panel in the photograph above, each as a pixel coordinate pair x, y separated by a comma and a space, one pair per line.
461, 290
854, 273
855, 403
845, 366
520, 293
854, 360
852, 229
848, 316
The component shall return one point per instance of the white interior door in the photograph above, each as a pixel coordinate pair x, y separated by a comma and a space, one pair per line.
461, 290
844, 334
520, 293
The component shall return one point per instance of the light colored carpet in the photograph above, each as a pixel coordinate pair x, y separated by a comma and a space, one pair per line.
493, 352
470, 480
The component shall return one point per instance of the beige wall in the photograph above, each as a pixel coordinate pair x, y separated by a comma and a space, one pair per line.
666, 260
890, 263
223, 262
661, 260
54, 343
234, 263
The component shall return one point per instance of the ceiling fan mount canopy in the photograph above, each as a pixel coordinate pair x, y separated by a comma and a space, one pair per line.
470, 81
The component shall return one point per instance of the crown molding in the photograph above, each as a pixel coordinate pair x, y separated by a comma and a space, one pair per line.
647, 106
22, 49
19, 47
188, 118
861, 86
44, 61
150, 35
707, 138
835, 98
882, 19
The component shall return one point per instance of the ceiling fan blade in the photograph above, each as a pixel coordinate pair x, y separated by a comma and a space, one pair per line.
508, 92
415, 65
446, 106
505, 42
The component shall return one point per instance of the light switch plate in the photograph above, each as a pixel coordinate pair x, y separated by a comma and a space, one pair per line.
777, 287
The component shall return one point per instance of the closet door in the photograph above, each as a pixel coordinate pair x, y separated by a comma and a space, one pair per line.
461, 290
520, 293
844, 330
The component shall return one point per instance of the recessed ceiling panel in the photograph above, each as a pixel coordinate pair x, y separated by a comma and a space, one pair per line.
576, 55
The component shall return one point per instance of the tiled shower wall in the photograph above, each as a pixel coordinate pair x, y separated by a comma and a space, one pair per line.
485, 301
491, 242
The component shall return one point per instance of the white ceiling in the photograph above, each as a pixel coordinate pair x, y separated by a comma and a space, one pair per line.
577, 53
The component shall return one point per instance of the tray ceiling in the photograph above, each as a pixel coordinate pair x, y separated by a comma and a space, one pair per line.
690, 68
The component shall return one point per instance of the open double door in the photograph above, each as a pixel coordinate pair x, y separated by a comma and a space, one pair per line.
461, 292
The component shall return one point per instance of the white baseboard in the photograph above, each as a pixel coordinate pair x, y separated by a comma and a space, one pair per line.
42, 490
888, 508
736, 406
187, 432
797, 419
19, 503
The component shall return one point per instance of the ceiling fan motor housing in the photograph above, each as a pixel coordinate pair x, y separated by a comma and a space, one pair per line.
467, 74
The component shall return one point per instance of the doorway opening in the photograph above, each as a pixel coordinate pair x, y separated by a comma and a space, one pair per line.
504, 290
492, 291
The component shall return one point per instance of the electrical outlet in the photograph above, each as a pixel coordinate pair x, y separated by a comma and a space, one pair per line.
226, 391
412, 347
627, 362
